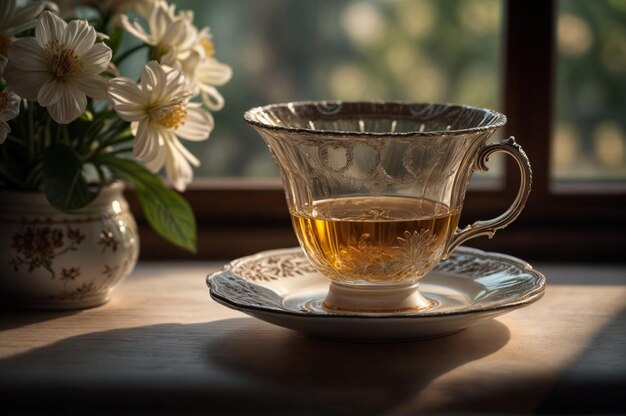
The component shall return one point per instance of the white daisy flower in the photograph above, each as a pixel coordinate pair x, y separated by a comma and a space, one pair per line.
9, 106
144, 7
159, 110
14, 20
167, 33
59, 67
204, 71
9, 109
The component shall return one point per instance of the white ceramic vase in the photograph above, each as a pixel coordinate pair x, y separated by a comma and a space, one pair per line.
55, 260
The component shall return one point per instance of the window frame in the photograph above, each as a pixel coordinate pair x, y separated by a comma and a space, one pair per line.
238, 217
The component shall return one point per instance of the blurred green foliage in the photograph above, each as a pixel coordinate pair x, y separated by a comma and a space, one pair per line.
411, 50
590, 133
280, 50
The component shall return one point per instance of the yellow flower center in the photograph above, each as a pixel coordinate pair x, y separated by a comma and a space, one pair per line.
171, 115
64, 63
209, 47
5, 42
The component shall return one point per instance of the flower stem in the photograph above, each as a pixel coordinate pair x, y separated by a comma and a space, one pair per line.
34, 177
96, 126
66, 135
57, 134
118, 137
120, 150
31, 135
118, 60
117, 134
18, 141
101, 175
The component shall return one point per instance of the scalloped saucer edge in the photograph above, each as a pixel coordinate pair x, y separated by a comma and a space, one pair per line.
281, 287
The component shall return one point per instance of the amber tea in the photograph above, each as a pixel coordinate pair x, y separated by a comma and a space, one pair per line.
375, 239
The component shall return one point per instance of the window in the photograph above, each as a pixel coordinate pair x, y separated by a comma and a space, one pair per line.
241, 216
283, 51
589, 141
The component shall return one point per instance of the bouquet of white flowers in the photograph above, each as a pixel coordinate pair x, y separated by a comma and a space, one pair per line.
70, 124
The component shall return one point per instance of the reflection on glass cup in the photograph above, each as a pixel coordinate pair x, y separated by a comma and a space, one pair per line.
375, 190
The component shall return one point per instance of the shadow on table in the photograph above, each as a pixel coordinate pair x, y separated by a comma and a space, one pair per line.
232, 366
595, 382
15, 318
346, 377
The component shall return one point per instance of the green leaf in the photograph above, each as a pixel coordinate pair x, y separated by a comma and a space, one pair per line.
166, 211
63, 181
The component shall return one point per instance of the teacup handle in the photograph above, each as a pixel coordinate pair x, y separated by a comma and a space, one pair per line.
489, 227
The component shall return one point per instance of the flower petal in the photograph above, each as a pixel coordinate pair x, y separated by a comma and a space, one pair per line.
25, 83
135, 29
50, 92
12, 109
157, 162
146, 142
175, 33
177, 170
97, 58
154, 146
212, 98
187, 66
144, 8
7, 8
19, 15
140, 142
25, 53
70, 106
182, 150
198, 125
25, 16
4, 131
161, 87
79, 36
93, 85
148, 78
214, 72
129, 102
174, 86
159, 20
49, 27
124, 90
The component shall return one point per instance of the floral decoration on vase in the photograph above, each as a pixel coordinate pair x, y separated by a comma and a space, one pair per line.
71, 123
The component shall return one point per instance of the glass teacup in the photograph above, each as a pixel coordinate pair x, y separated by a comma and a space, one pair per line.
375, 190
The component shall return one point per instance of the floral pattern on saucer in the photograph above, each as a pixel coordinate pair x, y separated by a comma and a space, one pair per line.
281, 287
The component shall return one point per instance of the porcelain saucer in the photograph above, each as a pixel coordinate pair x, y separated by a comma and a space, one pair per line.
282, 288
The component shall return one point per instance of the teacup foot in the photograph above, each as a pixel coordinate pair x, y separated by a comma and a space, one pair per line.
375, 299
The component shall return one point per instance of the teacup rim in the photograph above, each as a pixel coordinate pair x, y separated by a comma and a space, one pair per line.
249, 117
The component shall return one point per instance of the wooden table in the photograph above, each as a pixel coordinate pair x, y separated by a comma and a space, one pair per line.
163, 346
